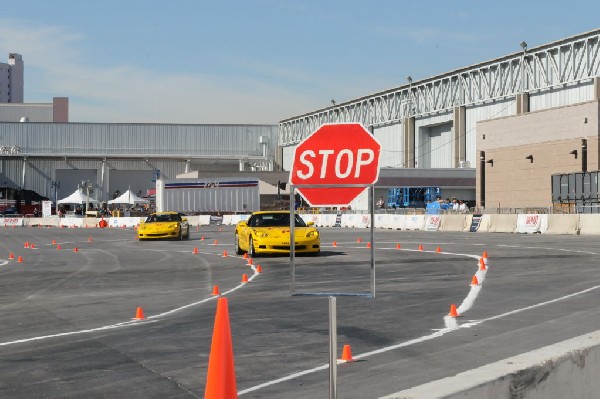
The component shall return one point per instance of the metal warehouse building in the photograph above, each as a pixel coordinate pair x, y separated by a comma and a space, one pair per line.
515, 120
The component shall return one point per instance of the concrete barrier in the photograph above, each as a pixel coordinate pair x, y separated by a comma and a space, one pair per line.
415, 222
355, 220
502, 223
327, 220
455, 222
562, 224
398, 222
589, 224
432, 222
568, 369
484, 225
8, 221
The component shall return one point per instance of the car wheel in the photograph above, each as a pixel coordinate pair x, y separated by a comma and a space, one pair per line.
238, 250
180, 234
187, 234
251, 252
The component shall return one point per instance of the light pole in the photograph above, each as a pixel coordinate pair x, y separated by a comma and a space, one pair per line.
86, 184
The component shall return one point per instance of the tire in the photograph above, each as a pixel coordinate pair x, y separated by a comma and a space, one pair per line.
187, 233
180, 234
238, 250
251, 251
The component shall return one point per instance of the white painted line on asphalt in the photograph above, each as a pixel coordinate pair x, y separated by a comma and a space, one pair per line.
419, 340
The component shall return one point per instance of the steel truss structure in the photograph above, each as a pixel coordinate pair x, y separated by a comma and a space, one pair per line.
569, 61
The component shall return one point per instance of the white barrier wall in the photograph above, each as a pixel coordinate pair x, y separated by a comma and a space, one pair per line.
415, 222
562, 224
432, 222
502, 223
589, 224
455, 222
529, 223
11, 221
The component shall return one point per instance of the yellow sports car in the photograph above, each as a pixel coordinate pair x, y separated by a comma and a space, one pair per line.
164, 225
268, 232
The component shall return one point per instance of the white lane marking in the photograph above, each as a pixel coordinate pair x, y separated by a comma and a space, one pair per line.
419, 340
149, 319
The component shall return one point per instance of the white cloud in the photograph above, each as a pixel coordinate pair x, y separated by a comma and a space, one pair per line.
131, 93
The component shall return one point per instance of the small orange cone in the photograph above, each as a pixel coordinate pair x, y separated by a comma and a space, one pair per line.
245, 255
438, 249
368, 245
397, 246
224, 254
453, 312
258, 269
216, 242
220, 378
58, 247
482, 264
420, 247
75, 249
11, 256
250, 261
20, 259
359, 239
202, 238
32, 246
215, 290
195, 251
474, 281
53, 242
26, 245
484, 255
347, 354
139, 314
244, 278
334, 244
90, 239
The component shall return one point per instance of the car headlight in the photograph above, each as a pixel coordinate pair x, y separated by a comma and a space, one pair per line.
260, 233
172, 226
312, 234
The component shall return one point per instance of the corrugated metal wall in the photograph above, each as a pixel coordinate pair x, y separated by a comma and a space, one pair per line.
211, 141
577, 93
392, 145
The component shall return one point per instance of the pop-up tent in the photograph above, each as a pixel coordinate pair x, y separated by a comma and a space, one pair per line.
78, 197
128, 198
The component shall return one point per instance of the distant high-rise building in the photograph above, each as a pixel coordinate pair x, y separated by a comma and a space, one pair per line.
12, 79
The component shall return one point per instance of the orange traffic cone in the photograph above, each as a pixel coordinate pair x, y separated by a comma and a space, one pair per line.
224, 254
245, 255
215, 290
202, 238
20, 259
244, 278
90, 239
75, 249
420, 247
195, 251
347, 354
11, 256
216, 242
368, 245
484, 255
359, 239
474, 281
482, 264
220, 378
334, 244
26, 245
139, 314
58, 247
250, 261
32, 246
453, 312
53, 242
258, 269
438, 249
397, 246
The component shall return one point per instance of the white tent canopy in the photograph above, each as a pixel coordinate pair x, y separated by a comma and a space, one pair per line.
128, 198
78, 197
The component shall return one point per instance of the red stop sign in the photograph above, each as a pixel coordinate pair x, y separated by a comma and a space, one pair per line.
335, 154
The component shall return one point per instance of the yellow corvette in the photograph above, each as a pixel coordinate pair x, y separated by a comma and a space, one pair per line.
164, 225
268, 232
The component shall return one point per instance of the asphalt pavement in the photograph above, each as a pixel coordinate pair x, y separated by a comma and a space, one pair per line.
67, 328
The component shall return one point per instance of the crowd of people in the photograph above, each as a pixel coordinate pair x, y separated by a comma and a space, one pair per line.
449, 205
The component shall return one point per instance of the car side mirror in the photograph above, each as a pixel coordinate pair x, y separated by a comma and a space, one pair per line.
184, 219
310, 224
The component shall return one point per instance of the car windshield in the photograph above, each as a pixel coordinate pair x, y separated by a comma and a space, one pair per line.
162, 218
274, 220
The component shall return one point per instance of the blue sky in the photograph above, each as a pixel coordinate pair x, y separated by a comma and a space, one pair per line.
258, 61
